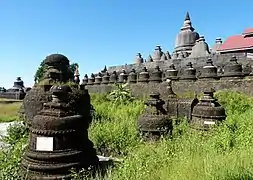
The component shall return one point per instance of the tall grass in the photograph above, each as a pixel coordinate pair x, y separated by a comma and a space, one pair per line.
224, 153
113, 130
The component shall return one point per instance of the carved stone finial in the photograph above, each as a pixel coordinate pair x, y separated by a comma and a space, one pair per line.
139, 58
172, 66
234, 59
104, 70
189, 65
180, 55
157, 53
209, 62
77, 71
76, 75
167, 54
149, 59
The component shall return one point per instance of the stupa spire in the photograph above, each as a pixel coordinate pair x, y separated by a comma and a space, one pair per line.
187, 22
187, 17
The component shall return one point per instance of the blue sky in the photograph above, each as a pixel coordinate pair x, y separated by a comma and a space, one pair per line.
94, 33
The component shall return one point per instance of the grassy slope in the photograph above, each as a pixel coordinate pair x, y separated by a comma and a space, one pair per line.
225, 153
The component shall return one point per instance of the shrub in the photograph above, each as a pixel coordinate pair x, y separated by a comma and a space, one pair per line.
11, 158
120, 94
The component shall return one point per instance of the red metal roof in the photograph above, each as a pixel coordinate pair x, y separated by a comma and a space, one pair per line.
238, 42
248, 31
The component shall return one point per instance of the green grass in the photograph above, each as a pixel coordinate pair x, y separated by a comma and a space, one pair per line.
5, 99
223, 154
9, 111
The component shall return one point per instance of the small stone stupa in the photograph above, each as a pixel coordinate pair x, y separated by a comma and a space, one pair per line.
154, 122
207, 112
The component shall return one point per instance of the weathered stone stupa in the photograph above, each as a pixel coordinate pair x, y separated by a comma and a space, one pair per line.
57, 71
186, 39
59, 139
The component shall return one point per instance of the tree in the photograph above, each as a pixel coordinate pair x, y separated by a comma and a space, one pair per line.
42, 69
72, 69
2, 89
40, 72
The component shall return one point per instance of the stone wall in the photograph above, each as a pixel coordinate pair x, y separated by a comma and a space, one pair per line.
244, 83
218, 60
183, 87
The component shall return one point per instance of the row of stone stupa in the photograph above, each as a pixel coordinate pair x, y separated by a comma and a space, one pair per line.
189, 44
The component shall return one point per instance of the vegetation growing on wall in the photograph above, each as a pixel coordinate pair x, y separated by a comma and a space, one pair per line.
42, 69
224, 153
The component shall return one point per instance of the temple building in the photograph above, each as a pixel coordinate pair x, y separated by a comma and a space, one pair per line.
17, 86
189, 44
18, 91
238, 43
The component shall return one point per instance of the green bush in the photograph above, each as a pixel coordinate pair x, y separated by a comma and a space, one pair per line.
225, 153
10, 157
